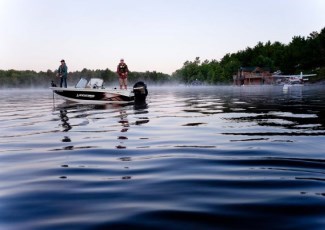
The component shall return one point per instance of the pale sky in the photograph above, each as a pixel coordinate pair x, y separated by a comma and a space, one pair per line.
151, 35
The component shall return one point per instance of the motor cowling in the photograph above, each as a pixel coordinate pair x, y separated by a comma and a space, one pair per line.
140, 91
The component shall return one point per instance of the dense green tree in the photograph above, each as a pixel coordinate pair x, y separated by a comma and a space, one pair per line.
14, 78
300, 55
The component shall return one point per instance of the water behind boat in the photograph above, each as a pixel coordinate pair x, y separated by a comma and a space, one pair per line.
191, 158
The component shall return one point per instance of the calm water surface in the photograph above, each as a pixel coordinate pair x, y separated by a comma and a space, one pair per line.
191, 158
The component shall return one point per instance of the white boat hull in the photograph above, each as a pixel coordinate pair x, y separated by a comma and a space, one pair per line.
101, 95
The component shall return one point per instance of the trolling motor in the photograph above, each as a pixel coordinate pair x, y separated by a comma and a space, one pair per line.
53, 84
140, 92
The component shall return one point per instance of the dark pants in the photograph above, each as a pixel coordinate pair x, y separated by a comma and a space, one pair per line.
63, 81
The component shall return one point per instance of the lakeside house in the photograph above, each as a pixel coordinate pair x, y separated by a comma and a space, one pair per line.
253, 76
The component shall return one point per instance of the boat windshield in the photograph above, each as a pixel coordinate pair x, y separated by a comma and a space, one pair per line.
95, 83
82, 83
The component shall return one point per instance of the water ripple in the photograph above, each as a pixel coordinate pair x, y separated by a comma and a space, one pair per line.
191, 158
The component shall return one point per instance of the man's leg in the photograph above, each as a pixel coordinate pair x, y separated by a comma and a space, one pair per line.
121, 82
125, 83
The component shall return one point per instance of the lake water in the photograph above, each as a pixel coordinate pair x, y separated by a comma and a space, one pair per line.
191, 158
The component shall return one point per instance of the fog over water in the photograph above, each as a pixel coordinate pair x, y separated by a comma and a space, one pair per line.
212, 157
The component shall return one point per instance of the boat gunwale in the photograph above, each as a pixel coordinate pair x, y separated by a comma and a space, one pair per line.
113, 91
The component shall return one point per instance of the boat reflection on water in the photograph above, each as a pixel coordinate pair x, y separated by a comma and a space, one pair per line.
65, 120
125, 127
95, 118
73, 105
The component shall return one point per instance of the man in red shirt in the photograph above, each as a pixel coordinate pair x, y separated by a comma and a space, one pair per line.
122, 71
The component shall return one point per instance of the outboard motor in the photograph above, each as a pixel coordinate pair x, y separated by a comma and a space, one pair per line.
140, 91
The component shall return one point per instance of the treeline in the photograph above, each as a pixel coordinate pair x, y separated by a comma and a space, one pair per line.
16, 79
300, 55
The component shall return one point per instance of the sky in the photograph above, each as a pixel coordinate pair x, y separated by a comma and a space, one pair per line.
151, 35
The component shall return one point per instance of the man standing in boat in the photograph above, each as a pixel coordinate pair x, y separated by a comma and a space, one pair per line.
122, 71
63, 73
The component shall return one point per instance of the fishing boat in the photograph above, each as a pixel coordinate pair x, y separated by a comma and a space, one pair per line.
93, 92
